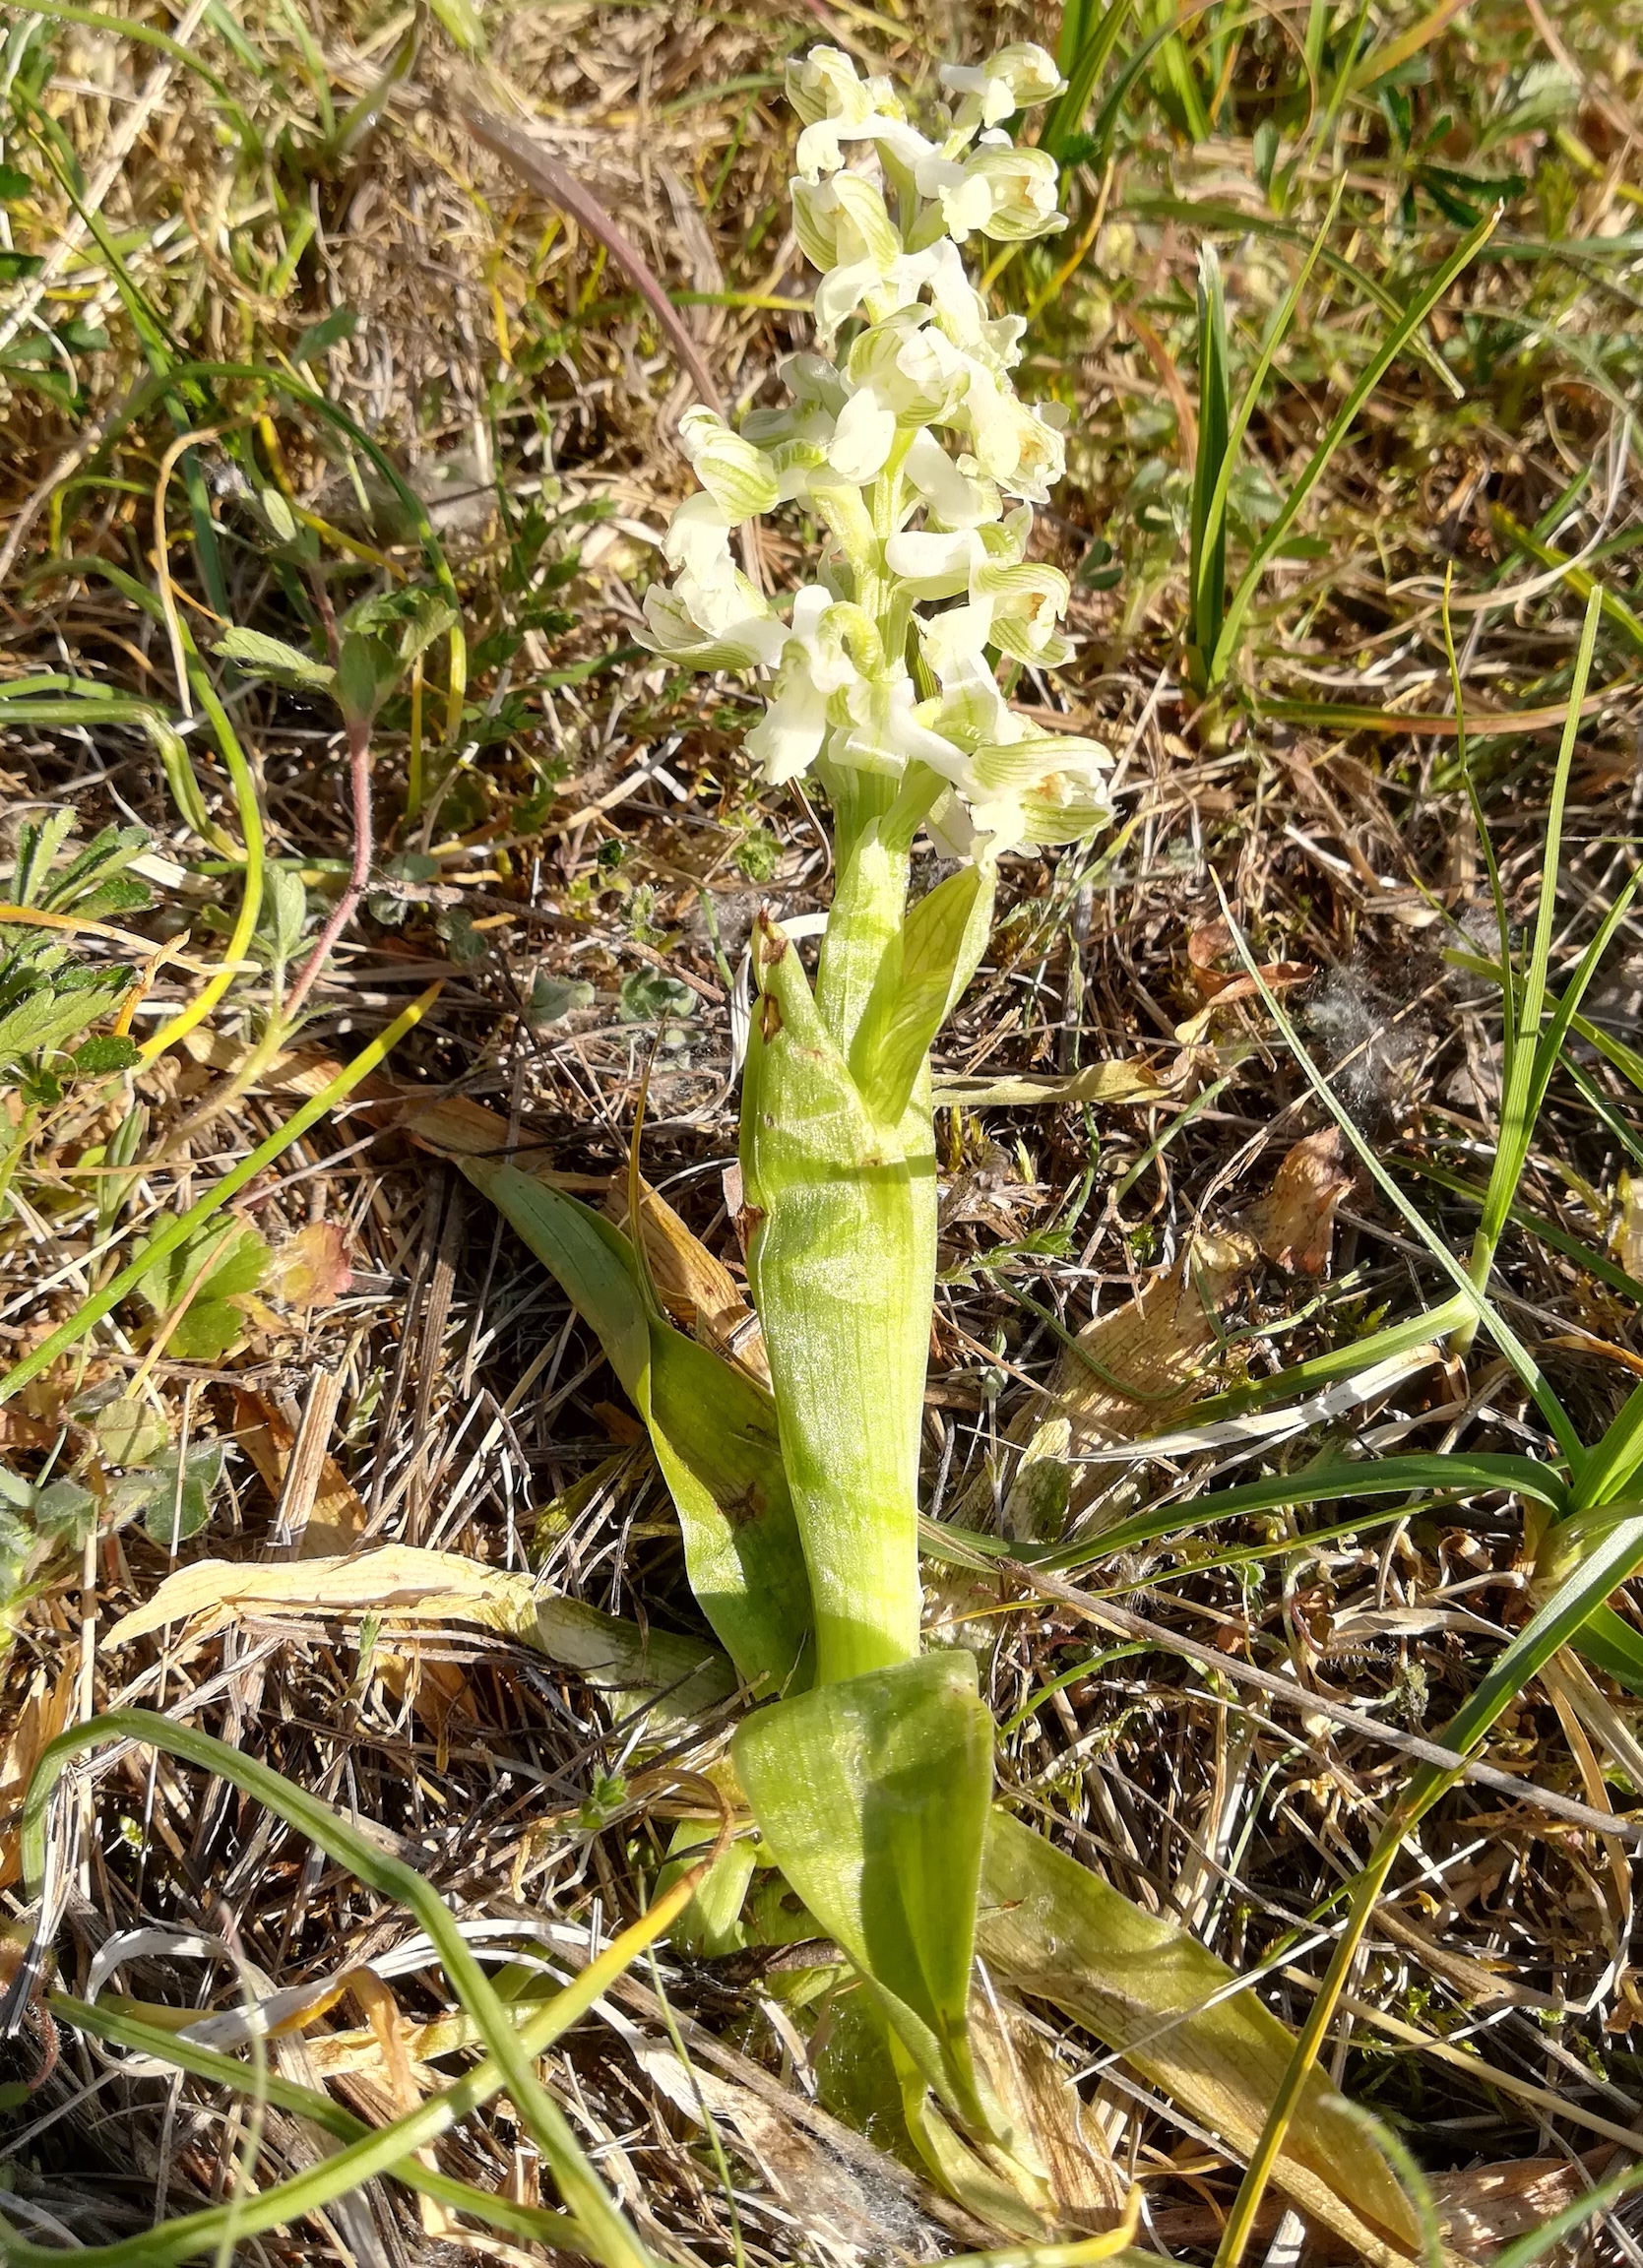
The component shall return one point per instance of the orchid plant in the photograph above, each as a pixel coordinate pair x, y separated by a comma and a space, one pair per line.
905, 437
866, 1763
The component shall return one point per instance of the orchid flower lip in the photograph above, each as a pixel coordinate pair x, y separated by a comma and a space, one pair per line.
912, 446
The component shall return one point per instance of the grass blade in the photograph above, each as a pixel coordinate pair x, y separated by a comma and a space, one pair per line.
603, 2230
1211, 474
177, 1232
1477, 1303
1369, 378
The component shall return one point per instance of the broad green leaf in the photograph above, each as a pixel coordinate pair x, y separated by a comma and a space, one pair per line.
842, 1263
54, 1010
109, 851
330, 331
174, 1497
265, 656
110, 1051
551, 1000
366, 671
219, 1266
1148, 1990
128, 1433
713, 1430
64, 1511
872, 1796
649, 994
37, 844
924, 969
285, 910
711, 1924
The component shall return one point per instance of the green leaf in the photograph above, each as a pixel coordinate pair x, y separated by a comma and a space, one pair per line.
712, 1429
551, 1000
239, 1258
366, 671
111, 1051
1085, 49
461, 19
53, 1011
1349, 1478
649, 994
263, 656
1147, 1988
174, 1496
842, 1263
37, 844
285, 910
925, 968
13, 184
64, 1511
211, 1323
873, 1795
409, 617
128, 1433
1615, 1645
319, 338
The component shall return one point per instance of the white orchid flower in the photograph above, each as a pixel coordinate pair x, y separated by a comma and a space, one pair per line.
1015, 77
957, 491
836, 106
814, 666
1019, 189
888, 732
1017, 783
1019, 447
905, 375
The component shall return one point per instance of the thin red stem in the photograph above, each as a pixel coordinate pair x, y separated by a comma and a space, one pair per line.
360, 774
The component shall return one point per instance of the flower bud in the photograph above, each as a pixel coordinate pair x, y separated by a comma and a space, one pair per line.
737, 476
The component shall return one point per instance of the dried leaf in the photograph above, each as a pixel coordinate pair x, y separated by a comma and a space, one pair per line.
697, 1289
313, 1267
1481, 2207
337, 1516
1222, 988
1145, 1986
1295, 1225
1134, 1081
1136, 1369
407, 1588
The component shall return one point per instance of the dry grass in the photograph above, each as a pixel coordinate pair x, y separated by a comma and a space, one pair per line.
593, 826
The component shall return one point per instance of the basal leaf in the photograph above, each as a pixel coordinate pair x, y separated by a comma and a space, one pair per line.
1146, 1988
713, 1430
265, 656
873, 1795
